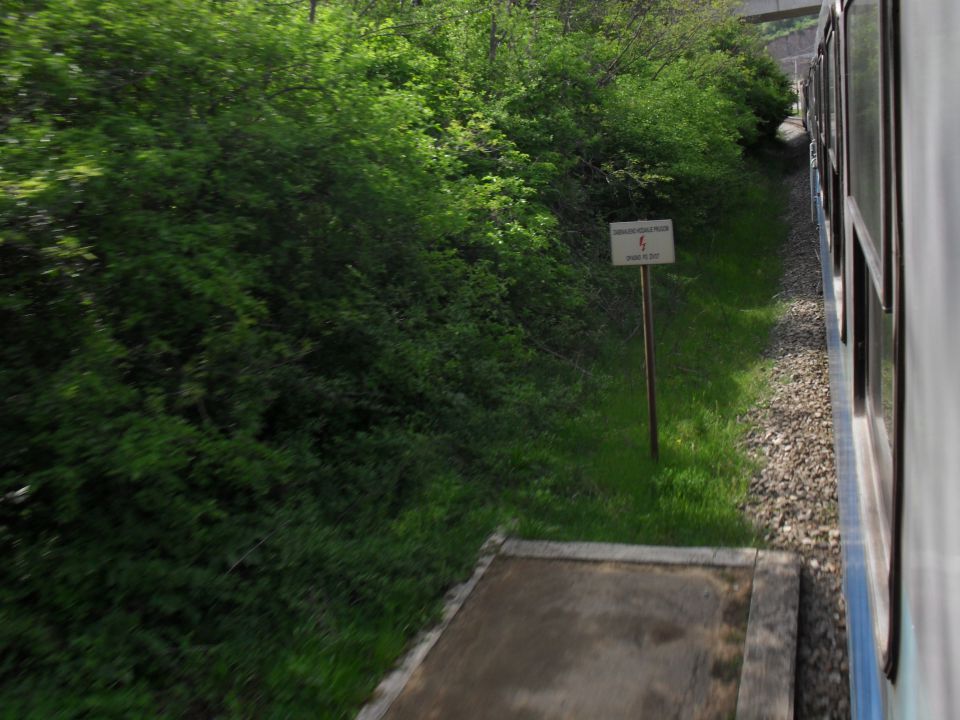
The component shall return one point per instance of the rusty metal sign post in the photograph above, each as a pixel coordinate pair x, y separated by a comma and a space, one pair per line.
645, 243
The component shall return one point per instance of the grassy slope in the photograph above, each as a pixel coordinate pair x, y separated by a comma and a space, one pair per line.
713, 312
711, 325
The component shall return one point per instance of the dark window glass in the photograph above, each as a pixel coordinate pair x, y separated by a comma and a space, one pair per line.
815, 90
863, 87
812, 112
827, 97
881, 379
832, 90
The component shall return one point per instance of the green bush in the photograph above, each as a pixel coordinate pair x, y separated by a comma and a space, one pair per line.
283, 304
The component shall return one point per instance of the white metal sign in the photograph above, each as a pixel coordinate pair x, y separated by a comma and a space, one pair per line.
644, 242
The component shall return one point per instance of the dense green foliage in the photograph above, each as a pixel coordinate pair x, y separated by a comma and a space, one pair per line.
781, 28
283, 304
710, 372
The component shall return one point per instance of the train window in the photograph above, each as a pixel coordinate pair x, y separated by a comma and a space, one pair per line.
831, 93
826, 99
823, 102
875, 386
812, 107
883, 373
821, 145
872, 212
880, 378
819, 96
864, 118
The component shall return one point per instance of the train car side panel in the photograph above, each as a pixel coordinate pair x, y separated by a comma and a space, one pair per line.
930, 109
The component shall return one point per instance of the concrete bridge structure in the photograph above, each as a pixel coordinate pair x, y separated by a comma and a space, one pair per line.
765, 10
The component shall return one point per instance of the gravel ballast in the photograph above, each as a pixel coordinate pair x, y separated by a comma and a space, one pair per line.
793, 498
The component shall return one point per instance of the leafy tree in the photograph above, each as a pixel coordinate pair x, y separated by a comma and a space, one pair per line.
285, 290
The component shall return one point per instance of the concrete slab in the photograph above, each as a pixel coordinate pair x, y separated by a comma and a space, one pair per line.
616, 552
586, 630
770, 662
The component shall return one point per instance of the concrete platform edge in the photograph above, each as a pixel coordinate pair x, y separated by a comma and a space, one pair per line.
393, 684
769, 663
642, 554
770, 653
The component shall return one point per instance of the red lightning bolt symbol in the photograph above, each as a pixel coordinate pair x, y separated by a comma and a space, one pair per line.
643, 243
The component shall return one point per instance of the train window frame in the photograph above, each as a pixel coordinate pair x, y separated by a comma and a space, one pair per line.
838, 160
878, 290
832, 73
812, 95
877, 250
830, 125
824, 97
821, 140
833, 162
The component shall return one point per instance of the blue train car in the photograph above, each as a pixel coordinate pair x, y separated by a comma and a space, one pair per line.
882, 106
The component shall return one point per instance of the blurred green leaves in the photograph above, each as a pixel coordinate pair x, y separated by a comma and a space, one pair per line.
283, 304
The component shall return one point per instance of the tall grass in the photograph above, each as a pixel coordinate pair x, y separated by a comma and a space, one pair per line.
713, 312
595, 480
